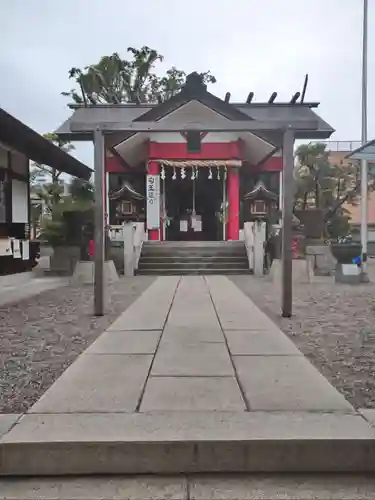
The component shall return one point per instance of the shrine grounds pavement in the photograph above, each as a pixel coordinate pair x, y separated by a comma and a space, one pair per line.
192, 377
333, 326
191, 343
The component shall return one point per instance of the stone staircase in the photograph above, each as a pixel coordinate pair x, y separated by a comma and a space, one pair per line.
193, 257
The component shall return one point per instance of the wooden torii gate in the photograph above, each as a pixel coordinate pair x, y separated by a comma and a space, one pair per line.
286, 129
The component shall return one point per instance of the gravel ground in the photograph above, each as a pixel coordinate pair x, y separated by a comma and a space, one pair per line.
41, 336
334, 327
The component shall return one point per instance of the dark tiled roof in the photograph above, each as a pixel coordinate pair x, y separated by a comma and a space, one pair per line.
19, 136
194, 90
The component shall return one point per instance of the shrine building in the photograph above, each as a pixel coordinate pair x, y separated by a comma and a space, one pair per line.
188, 184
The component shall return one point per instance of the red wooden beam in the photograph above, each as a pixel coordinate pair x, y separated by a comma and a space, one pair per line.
209, 151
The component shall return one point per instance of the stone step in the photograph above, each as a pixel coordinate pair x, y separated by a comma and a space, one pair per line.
184, 258
191, 271
185, 244
193, 258
194, 487
204, 252
194, 246
197, 264
188, 443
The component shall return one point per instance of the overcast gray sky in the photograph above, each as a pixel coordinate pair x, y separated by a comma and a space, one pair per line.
249, 45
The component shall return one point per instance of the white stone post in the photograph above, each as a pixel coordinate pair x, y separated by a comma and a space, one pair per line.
249, 243
139, 237
128, 234
259, 231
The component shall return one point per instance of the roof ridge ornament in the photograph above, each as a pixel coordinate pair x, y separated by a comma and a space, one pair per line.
260, 189
194, 84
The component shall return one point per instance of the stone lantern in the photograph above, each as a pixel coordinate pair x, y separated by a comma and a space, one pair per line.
262, 202
127, 203
263, 206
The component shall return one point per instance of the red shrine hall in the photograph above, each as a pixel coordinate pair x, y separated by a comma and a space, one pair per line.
192, 185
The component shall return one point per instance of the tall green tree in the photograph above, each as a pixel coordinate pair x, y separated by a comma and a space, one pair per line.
321, 184
115, 80
46, 181
81, 191
326, 186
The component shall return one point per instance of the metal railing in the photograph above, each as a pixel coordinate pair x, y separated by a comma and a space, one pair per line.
340, 146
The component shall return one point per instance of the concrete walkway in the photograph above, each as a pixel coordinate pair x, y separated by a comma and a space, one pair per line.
192, 377
16, 287
191, 344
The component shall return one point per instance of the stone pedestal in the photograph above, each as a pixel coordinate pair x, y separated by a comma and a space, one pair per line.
64, 259
129, 264
322, 261
84, 273
301, 269
255, 237
259, 231
116, 253
349, 274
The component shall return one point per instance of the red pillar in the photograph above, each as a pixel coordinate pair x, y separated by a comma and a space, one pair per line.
153, 169
233, 204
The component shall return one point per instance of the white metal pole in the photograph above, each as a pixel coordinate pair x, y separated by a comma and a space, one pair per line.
364, 191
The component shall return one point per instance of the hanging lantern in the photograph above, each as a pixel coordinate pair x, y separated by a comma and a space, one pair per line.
196, 172
162, 173
192, 174
183, 173
210, 173
174, 176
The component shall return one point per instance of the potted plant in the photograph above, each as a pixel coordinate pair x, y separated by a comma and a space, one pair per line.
345, 250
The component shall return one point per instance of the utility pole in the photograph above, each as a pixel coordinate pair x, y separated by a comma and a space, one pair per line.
364, 189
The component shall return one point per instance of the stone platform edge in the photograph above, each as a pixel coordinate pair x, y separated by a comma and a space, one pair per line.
193, 487
208, 442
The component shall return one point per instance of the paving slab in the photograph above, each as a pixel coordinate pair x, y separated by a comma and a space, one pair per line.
125, 342
95, 488
106, 383
234, 309
27, 288
285, 487
263, 342
286, 383
194, 360
192, 305
150, 311
7, 420
192, 335
192, 394
187, 442
189, 426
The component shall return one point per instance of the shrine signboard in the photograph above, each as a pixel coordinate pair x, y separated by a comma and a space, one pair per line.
153, 201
